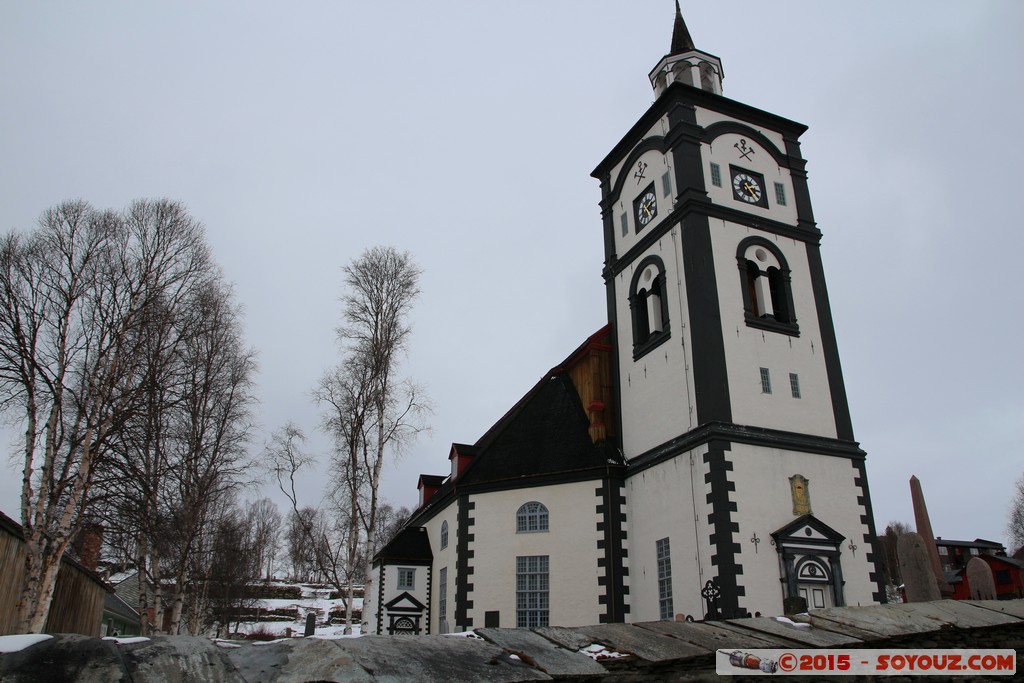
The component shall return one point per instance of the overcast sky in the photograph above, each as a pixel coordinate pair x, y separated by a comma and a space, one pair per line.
465, 132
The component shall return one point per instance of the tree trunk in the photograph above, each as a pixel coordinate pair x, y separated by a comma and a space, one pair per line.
41, 567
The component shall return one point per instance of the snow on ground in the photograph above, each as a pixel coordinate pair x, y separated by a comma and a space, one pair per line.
463, 634
21, 641
127, 640
599, 652
279, 628
220, 642
306, 603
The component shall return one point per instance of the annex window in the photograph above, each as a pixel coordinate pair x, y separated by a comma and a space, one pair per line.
442, 600
794, 384
780, 194
531, 517
406, 578
444, 534
716, 174
665, 610
648, 306
766, 381
767, 291
531, 591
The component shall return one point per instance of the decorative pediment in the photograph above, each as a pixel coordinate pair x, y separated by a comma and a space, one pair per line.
404, 602
808, 530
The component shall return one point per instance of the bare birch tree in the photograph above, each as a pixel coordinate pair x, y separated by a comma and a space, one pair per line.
265, 520
1015, 521
73, 298
370, 409
211, 425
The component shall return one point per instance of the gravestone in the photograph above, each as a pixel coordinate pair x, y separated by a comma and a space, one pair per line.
980, 579
916, 569
310, 624
794, 604
924, 527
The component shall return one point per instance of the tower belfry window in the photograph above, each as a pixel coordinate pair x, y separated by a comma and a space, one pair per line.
767, 290
649, 306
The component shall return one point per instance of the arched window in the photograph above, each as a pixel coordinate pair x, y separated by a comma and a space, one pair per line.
648, 306
444, 534
767, 292
531, 517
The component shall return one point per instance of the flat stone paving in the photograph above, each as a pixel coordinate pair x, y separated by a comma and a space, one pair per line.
806, 635
542, 652
886, 621
655, 650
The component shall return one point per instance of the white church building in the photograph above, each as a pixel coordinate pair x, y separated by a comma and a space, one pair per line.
693, 458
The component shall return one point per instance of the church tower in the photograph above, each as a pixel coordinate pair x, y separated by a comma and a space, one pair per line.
746, 487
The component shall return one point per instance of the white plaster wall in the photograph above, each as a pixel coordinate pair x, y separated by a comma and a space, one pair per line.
570, 543
657, 165
661, 504
748, 349
443, 558
765, 505
656, 390
420, 591
370, 608
722, 151
706, 117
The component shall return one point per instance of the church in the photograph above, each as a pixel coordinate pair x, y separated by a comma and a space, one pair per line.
695, 457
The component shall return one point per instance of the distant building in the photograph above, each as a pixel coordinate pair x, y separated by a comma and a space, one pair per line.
954, 555
696, 456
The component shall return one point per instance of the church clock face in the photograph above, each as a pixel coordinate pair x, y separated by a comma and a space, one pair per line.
748, 187
645, 207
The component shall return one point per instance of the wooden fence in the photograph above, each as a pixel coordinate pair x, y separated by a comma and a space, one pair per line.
77, 600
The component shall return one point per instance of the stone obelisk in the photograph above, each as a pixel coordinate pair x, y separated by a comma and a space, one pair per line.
924, 528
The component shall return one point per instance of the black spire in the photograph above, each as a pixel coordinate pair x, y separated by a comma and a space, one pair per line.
681, 40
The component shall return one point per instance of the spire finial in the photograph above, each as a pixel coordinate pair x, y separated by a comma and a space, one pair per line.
681, 40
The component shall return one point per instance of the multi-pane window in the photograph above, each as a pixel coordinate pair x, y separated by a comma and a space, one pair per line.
531, 517
624, 219
794, 384
666, 184
780, 194
442, 600
531, 591
716, 175
406, 578
444, 534
766, 381
665, 610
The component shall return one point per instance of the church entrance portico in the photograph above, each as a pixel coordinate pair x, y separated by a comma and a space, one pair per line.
810, 562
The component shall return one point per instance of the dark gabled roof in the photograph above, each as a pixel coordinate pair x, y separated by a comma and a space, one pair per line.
464, 449
976, 543
546, 433
681, 40
790, 529
115, 604
432, 479
412, 544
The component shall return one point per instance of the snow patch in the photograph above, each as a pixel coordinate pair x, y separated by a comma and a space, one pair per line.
225, 643
599, 652
464, 634
257, 643
19, 642
127, 641
790, 622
